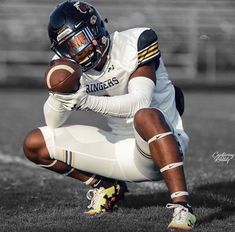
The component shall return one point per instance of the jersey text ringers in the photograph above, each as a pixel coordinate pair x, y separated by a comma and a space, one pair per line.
95, 87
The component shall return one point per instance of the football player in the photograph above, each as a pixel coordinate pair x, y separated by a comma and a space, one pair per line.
124, 78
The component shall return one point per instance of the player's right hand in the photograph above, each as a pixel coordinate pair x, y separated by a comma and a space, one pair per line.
74, 101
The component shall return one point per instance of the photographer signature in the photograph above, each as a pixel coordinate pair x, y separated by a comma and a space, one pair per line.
222, 157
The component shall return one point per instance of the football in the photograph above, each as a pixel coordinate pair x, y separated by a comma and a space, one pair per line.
63, 76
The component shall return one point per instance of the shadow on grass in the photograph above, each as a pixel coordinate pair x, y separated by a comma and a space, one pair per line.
146, 200
215, 195
209, 196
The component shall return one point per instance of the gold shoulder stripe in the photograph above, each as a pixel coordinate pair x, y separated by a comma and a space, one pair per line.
152, 48
151, 54
156, 42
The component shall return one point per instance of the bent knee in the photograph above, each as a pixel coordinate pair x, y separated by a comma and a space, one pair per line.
33, 145
148, 115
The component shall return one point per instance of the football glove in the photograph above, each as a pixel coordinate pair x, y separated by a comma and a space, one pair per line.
74, 101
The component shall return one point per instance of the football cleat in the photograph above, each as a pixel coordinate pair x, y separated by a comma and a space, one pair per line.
182, 218
104, 199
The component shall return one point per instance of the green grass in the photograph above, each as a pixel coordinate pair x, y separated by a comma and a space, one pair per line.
34, 199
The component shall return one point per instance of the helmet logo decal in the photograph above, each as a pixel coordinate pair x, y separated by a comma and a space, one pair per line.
104, 40
83, 8
93, 20
77, 25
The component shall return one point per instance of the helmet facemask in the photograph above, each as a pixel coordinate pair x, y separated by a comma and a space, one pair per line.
82, 47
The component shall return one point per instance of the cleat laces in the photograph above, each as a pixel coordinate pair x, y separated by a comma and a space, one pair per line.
94, 196
180, 212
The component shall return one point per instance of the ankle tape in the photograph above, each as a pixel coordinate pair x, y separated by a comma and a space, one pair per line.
48, 165
67, 173
179, 194
90, 180
170, 166
159, 136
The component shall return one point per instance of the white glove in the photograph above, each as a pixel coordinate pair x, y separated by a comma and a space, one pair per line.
74, 101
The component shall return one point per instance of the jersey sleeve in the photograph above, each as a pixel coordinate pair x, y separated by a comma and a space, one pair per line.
147, 47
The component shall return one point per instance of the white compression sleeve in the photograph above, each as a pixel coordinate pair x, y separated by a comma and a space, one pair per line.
139, 95
55, 114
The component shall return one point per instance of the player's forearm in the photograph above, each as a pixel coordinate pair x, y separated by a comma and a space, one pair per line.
55, 114
140, 95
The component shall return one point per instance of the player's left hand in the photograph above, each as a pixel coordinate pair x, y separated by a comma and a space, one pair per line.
74, 101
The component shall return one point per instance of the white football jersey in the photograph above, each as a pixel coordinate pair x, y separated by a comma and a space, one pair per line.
115, 153
125, 56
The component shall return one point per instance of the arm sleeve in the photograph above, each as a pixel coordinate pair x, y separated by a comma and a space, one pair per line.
55, 114
139, 96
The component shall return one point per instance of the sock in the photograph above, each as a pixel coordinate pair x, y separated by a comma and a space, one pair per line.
104, 182
107, 182
186, 205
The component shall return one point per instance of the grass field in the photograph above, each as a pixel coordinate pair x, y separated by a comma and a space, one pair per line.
34, 199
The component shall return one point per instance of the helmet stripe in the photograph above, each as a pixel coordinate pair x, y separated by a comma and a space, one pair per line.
88, 32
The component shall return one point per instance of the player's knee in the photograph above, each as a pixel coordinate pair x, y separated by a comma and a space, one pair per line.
146, 116
33, 144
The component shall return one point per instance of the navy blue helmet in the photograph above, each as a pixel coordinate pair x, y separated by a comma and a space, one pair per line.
77, 31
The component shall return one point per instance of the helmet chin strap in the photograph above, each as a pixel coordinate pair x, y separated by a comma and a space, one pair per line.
98, 50
103, 53
107, 47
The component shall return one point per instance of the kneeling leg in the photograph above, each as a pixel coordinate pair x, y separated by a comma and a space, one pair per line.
152, 127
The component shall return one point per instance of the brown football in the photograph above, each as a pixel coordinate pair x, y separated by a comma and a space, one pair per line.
63, 76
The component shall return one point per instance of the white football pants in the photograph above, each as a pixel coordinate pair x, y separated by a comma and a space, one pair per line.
101, 152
